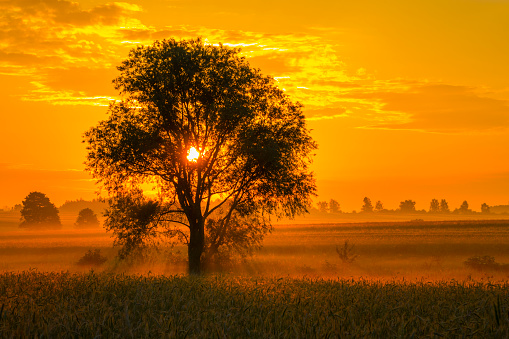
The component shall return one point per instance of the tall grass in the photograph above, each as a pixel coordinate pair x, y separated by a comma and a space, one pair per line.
90, 305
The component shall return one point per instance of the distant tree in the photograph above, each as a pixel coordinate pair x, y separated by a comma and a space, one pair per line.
323, 206
434, 206
379, 207
38, 211
444, 206
334, 206
86, 218
463, 208
485, 208
407, 206
367, 207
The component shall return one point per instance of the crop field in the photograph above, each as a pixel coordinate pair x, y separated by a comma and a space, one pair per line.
111, 305
401, 279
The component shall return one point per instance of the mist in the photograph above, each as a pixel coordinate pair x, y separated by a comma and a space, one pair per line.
378, 246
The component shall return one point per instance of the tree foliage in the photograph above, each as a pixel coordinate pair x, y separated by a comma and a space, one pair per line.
38, 211
253, 146
444, 206
485, 208
367, 207
407, 206
86, 218
434, 206
463, 209
323, 206
334, 207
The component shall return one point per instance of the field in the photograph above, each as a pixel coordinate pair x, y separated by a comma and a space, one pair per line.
408, 279
433, 250
106, 305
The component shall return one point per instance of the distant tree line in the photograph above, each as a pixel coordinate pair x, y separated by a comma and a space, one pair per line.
38, 212
406, 206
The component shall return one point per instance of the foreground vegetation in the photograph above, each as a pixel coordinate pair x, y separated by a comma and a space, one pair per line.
37, 304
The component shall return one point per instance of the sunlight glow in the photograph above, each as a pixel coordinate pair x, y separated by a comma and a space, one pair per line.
192, 154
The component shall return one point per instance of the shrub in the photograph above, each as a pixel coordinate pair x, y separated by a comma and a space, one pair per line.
92, 258
481, 263
346, 253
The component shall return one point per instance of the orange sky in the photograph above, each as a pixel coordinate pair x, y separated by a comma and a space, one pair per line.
406, 99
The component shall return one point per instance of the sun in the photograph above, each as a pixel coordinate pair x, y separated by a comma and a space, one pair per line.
192, 154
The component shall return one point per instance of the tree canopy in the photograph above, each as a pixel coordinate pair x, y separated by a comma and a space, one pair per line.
86, 218
250, 143
38, 211
407, 206
367, 206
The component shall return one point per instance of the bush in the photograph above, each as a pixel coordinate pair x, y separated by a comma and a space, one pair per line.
92, 258
346, 253
482, 263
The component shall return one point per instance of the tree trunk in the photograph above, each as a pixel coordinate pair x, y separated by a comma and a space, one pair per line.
196, 246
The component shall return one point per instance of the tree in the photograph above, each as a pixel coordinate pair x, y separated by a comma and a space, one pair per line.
367, 207
463, 208
407, 206
323, 206
86, 218
485, 208
379, 207
444, 206
434, 206
334, 206
197, 122
39, 211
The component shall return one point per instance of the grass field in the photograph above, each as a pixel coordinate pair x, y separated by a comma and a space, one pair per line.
122, 306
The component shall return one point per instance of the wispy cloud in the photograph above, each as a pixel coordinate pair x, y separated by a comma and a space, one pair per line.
440, 108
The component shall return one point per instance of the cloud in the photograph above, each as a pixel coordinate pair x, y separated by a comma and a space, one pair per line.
443, 108
326, 114
70, 53
67, 12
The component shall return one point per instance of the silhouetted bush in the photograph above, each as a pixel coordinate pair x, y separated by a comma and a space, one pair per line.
92, 258
482, 263
346, 253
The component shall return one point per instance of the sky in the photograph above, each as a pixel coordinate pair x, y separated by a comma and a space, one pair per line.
406, 99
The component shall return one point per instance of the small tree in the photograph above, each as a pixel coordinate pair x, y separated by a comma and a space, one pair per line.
434, 206
444, 206
485, 209
407, 206
379, 207
367, 207
86, 218
463, 208
346, 253
39, 211
323, 206
334, 206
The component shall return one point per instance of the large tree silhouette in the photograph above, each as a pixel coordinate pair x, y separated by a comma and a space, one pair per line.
199, 124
